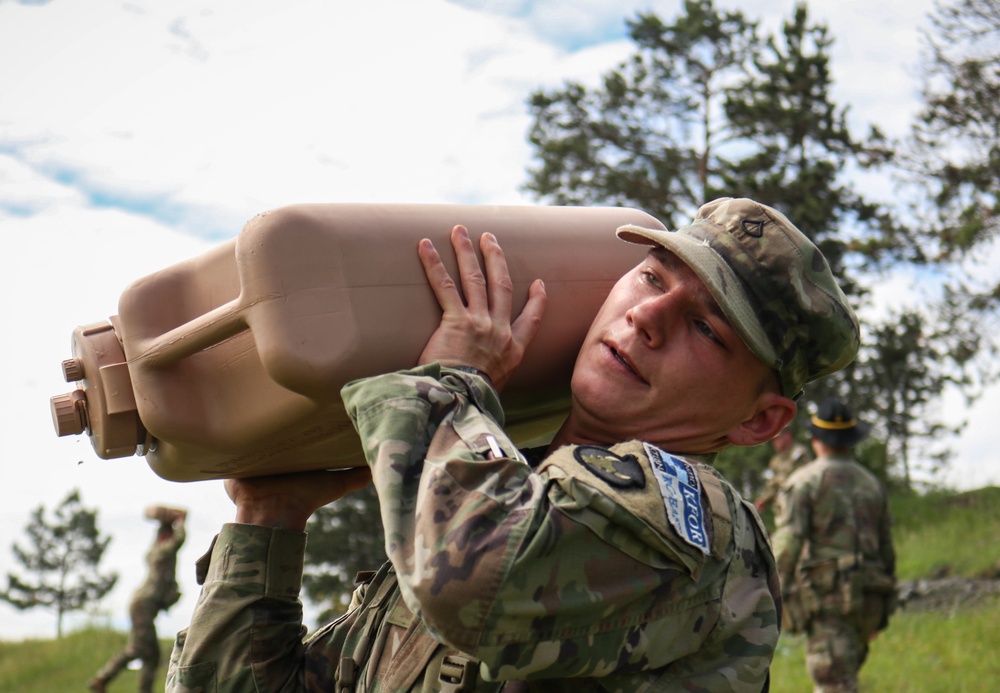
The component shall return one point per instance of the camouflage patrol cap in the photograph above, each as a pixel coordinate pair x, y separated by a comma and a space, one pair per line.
772, 283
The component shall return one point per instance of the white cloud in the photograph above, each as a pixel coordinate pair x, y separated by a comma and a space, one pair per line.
279, 103
27, 192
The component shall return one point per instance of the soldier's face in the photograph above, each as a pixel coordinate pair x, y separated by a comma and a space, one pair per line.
662, 363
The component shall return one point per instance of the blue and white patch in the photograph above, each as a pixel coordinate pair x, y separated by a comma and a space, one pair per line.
681, 491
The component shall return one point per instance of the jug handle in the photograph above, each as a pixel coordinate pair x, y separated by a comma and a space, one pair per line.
203, 331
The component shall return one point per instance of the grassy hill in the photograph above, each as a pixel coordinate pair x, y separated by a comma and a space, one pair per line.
949, 643
66, 665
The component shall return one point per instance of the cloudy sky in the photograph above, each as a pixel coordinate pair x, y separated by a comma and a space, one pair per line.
135, 134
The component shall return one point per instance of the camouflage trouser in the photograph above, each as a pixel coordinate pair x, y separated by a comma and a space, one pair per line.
838, 646
142, 644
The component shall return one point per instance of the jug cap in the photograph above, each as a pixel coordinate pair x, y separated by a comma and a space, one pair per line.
103, 404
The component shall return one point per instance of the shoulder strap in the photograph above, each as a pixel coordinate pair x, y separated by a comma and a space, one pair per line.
375, 660
361, 635
722, 518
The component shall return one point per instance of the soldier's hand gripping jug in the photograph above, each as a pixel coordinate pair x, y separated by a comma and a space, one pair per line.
231, 363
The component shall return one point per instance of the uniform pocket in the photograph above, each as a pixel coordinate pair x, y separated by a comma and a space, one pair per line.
197, 678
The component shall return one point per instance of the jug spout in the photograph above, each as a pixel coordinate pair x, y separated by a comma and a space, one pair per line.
103, 403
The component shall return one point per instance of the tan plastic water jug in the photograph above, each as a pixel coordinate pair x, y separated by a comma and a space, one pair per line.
231, 363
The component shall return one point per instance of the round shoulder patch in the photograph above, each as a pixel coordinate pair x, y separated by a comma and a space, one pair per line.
622, 471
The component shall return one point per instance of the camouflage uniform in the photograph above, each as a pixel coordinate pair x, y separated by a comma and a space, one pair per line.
158, 593
782, 465
622, 569
833, 546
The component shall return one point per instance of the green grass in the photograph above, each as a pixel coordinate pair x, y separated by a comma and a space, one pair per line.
947, 533
67, 664
918, 652
935, 534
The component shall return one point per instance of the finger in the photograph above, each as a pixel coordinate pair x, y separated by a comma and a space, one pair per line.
525, 327
500, 288
230, 486
329, 486
469, 270
287, 501
441, 283
353, 479
315, 488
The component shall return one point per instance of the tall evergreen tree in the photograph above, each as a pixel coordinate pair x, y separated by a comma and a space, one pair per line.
904, 366
952, 166
955, 145
799, 148
654, 135
63, 561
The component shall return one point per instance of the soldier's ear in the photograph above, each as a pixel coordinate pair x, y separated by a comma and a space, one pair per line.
772, 414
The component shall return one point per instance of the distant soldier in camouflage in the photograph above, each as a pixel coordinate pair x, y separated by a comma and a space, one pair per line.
158, 593
833, 546
789, 455
613, 559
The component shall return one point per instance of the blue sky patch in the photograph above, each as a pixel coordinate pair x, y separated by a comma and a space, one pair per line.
582, 29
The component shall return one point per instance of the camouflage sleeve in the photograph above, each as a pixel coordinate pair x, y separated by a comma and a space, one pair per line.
502, 562
246, 631
791, 530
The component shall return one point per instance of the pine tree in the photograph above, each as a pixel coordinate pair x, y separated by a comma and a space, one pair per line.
952, 170
62, 561
904, 367
653, 136
955, 144
798, 148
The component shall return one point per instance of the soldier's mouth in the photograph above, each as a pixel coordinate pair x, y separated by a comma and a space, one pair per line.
624, 361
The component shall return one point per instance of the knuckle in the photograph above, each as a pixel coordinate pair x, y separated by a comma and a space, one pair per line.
482, 325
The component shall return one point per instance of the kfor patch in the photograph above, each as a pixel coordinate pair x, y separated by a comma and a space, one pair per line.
623, 471
681, 491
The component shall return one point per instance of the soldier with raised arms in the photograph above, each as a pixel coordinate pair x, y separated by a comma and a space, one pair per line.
614, 559
157, 593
